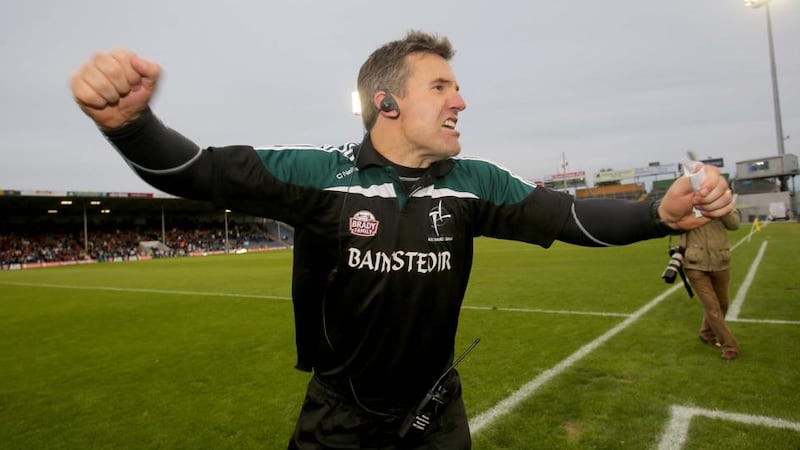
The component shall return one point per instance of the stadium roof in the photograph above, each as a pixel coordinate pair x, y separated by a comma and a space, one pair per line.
20, 204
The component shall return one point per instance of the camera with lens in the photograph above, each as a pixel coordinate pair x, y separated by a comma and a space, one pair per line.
675, 268
674, 265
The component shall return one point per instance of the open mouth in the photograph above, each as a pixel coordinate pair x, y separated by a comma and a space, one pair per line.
449, 123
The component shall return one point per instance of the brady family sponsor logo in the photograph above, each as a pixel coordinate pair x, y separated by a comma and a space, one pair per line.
364, 223
399, 261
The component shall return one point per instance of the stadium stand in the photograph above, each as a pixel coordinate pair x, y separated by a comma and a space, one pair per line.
42, 229
629, 191
659, 188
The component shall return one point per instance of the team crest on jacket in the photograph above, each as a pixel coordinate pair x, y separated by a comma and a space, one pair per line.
440, 224
364, 223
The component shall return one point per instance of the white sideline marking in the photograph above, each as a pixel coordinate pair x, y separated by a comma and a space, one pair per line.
486, 418
736, 306
741, 241
147, 291
546, 311
677, 430
773, 322
273, 297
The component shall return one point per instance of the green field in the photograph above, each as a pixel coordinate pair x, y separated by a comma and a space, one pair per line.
198, 353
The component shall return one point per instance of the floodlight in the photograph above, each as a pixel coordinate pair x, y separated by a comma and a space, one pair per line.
755, 3
356, 104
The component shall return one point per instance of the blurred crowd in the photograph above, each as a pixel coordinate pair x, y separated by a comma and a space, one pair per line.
28, 247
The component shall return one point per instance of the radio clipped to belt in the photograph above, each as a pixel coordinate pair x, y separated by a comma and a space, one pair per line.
421, 416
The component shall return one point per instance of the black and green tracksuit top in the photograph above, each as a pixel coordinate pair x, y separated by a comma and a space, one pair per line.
379, 273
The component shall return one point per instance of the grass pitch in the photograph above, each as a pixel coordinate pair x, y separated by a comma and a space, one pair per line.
198, 352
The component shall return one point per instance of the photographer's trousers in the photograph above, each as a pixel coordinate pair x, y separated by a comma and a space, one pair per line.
712, 291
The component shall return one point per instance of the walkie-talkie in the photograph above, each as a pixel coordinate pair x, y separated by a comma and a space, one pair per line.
420, 417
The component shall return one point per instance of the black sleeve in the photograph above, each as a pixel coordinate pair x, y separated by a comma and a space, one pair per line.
607, 222
230, 177
148, 143
164, 158
537, 219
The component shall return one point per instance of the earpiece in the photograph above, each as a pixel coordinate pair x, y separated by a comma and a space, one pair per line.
388, 104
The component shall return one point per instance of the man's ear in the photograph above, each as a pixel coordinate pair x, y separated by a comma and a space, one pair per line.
386, 103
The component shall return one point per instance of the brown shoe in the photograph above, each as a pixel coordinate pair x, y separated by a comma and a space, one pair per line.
713, 344
729, 355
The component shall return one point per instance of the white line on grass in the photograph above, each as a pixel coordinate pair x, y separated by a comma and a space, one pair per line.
488, 417
741, 241
677, 430
502, 408
273, 297
736, 306
146, 291
546, 311
773, 322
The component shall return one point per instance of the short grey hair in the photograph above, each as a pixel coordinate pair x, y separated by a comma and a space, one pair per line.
386, 68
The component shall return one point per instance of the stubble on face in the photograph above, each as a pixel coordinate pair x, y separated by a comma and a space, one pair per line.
430, 109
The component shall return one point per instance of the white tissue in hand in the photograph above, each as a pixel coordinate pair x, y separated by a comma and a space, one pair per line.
696, 173
690, 170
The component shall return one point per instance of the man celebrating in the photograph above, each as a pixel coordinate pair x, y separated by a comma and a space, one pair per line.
384, 232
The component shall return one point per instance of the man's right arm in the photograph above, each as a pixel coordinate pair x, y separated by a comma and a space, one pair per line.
163, 157
115, 88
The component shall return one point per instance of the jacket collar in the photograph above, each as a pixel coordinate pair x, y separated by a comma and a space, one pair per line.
366, 155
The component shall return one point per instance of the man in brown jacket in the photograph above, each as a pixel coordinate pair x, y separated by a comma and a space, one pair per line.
707, 262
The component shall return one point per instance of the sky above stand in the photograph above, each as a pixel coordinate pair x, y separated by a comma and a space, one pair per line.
600, 85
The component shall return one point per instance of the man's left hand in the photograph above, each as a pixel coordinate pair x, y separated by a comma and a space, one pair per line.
714, 199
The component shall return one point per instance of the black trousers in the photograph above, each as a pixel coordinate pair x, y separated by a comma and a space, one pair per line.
331, 419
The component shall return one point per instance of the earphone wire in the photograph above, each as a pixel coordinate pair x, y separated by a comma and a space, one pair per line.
357, 153
333, 273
